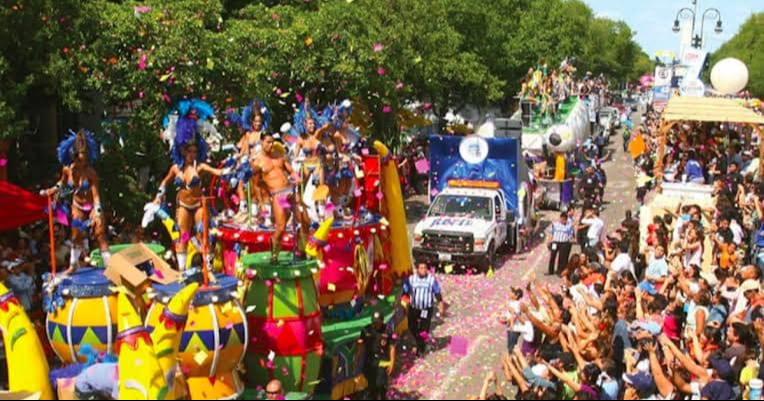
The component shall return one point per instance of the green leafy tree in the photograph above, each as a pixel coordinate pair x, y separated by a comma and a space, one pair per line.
643, 65
123, 63
140, 59
747, 46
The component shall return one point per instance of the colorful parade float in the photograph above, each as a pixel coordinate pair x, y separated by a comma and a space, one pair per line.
307, 310
255, 296
555, 124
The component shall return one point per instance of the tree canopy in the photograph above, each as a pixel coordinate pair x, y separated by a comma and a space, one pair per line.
747, 46
124, 62
382, 53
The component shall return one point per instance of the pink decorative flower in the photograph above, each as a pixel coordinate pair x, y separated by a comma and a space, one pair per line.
381, 71
141, 9
142, 62
387, 109
378, 47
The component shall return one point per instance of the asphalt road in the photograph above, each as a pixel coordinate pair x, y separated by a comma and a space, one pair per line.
452, 370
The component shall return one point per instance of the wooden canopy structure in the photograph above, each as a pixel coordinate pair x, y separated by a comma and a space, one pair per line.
709, 109
706, 109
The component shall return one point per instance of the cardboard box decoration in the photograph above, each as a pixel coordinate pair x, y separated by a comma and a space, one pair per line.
136, 267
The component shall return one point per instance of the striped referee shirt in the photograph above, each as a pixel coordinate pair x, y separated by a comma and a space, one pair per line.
563, 232
422, 290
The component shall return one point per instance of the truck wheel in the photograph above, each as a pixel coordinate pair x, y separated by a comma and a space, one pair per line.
490, 259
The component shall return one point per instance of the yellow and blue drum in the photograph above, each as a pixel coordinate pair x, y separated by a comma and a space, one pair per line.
214, 339
81, 310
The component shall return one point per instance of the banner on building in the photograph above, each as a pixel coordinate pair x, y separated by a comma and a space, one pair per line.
663, 76
661, 96
693, 59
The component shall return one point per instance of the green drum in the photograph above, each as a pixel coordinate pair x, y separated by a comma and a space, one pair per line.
285, 322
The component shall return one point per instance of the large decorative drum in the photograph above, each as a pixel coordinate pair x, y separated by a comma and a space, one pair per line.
82, 309
285, 320
214, 339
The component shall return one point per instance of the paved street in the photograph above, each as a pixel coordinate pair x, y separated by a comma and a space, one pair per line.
476, 302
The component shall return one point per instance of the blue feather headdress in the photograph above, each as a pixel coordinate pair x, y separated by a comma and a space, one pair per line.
244, 121
66, 150
335, 114
304, 110
92, 357
344, 110
190, 113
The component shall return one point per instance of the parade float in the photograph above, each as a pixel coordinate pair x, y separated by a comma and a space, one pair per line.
232, 319
306, 316
676, 191
553, 130
27, 364
212, 338
82, 311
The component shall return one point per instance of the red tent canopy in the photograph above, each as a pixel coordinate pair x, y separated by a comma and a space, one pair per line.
19, 206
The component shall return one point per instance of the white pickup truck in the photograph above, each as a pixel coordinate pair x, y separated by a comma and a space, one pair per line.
465, 226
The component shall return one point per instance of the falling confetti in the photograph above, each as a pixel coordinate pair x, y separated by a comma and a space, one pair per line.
142, 63
200, 357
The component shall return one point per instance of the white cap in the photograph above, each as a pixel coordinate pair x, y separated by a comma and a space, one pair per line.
541, 371
644, 366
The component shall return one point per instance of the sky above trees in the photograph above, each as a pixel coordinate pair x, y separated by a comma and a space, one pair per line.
653, 19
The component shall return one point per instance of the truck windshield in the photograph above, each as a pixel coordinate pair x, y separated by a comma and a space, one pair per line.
463, 206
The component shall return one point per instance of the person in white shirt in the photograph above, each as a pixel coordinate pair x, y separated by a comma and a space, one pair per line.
737, 232
594, 226
657, 272
623, 262
519, 327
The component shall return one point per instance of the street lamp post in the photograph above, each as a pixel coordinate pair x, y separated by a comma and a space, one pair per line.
691, 13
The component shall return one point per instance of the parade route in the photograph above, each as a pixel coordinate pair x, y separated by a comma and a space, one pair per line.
476, 302
342, 199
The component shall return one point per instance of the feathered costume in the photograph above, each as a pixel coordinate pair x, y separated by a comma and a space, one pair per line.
243, 170
337, 114
244, 120
66, 151
184, 124
304, 110
66, 155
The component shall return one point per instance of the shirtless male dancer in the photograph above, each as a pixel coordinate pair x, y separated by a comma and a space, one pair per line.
275, 172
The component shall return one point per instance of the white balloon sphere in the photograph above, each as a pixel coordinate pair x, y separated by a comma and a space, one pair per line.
729, 76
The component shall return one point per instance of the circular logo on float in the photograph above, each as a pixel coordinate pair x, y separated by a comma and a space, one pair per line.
474, 149
693, 87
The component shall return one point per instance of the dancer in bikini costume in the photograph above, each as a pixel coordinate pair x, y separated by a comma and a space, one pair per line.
345, 139
309, 152
276, 173
189, 156
255, 119
78, 177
